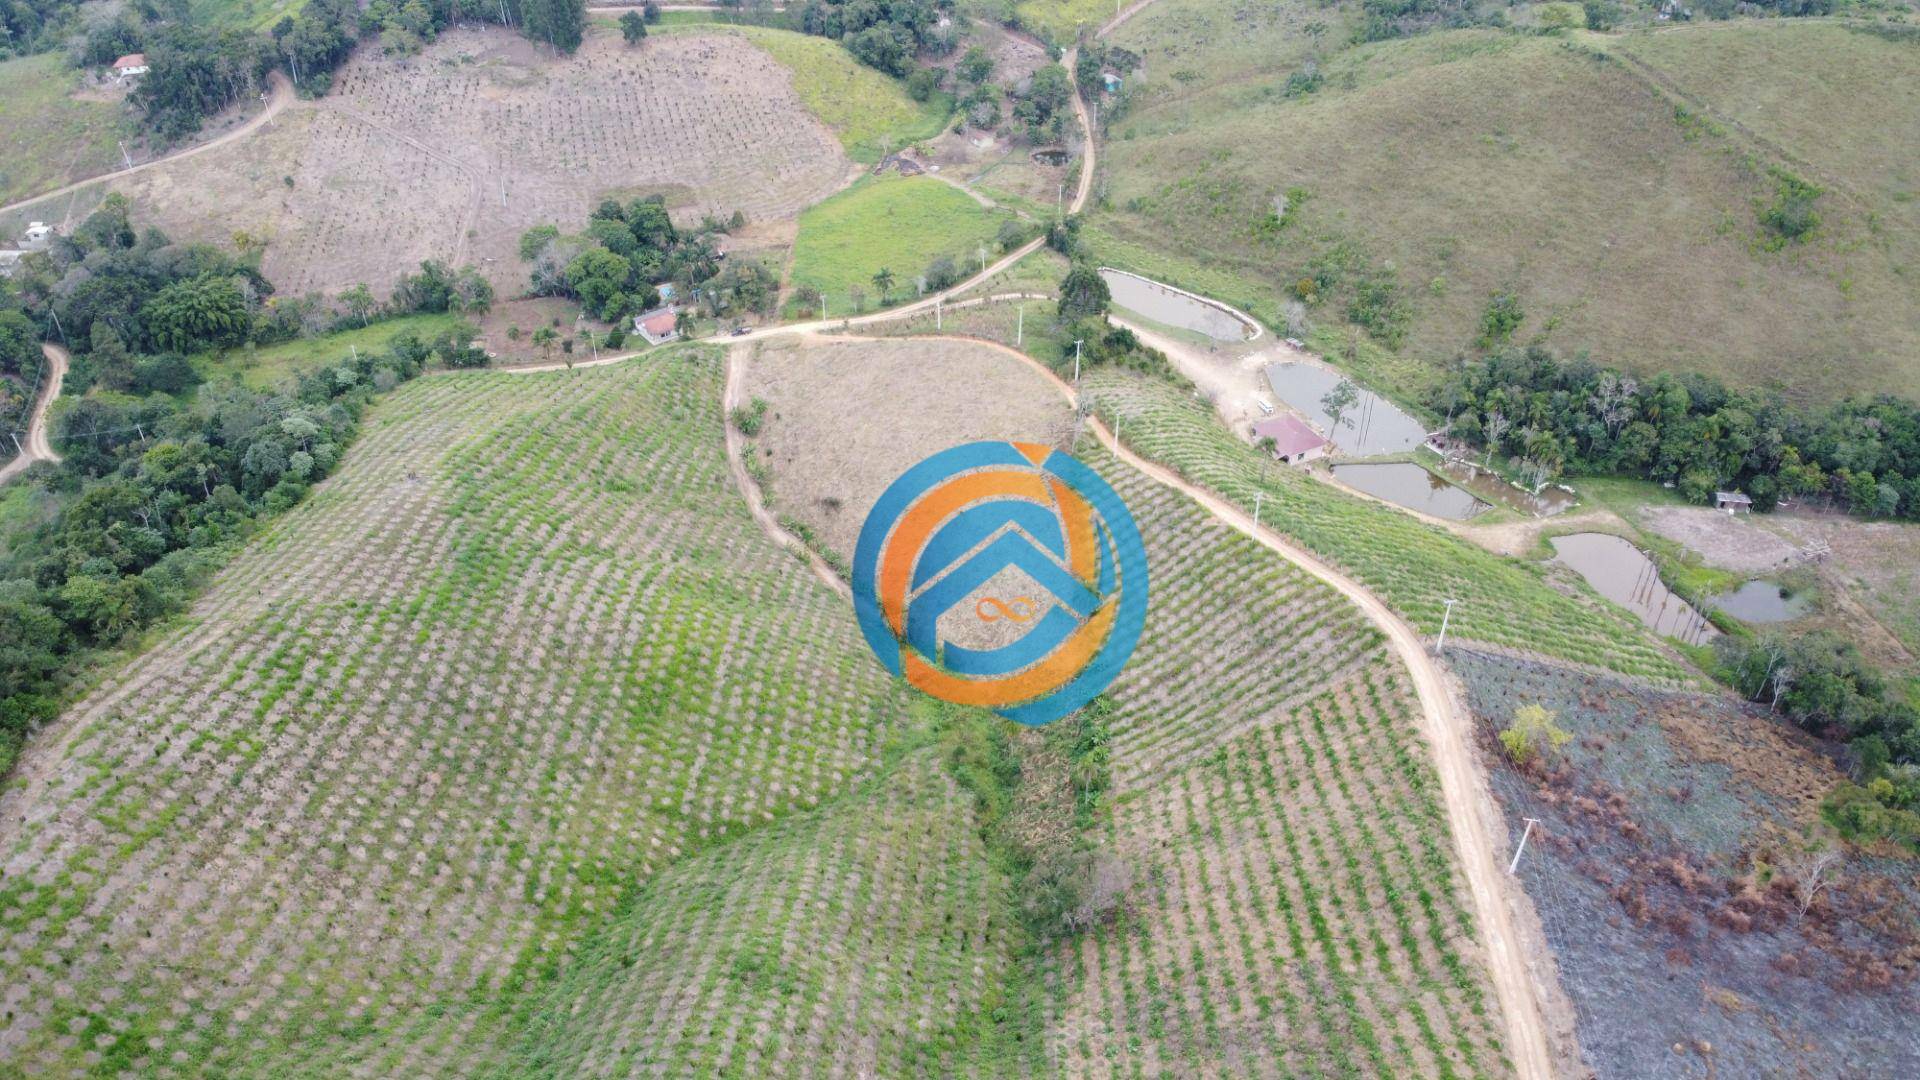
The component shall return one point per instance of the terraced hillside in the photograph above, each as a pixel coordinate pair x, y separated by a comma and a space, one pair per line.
1297, 908
1620, 186
1287, 897
523, 651
1412, 566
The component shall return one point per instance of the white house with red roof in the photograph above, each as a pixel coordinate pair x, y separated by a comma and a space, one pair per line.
130, 65
1294, 440
658, 326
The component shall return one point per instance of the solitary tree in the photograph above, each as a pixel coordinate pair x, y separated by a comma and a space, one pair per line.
359, 301
633, 27
1533, 735
884, 282
1494, 427
544, 338
1339, 401
1084, 292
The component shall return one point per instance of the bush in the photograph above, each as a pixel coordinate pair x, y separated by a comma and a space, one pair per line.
750, 418
1533, 735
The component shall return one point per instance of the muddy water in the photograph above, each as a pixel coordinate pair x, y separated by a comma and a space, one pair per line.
1549, 502
1373, 425
1761, 602
1169, 308
1409, 485
1620, 572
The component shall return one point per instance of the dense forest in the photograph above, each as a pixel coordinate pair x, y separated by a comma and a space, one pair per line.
161, 474
1550, 415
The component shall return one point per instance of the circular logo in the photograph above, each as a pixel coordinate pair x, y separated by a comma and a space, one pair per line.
1004, 575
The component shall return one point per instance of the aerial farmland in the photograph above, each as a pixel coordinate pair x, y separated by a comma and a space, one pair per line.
1177, 538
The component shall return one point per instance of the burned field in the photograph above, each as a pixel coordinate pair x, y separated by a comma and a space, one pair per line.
1695, 933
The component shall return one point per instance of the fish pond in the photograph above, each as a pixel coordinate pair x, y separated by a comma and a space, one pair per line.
1171, 307
1623, 574
1409, 485
1371, 426
1763, 602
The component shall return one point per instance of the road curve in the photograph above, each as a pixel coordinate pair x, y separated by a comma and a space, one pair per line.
730, 399
280, 95
1444, 723
36, 445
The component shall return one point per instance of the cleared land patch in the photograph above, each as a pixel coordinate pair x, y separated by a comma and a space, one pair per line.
525, 649
1407, 182
831, 452
453, 153
893, 222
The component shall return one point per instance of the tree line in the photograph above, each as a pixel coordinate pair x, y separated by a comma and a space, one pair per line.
1550, 415
158, 484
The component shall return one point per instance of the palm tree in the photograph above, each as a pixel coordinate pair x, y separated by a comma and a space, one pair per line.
884, 282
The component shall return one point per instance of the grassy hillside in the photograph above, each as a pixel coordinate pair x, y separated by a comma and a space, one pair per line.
870, 112
244, 14
47, 138
269, 365
1398, 186
900, 223
523, 651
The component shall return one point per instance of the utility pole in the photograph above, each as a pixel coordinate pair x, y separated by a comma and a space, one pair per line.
1444, 620
124, 156
1061, 199
938, 321
1020, 328
1522, 846
1076, 362
17, 448
1257, 495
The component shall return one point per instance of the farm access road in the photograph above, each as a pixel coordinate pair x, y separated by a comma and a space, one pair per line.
36, 446
279, 96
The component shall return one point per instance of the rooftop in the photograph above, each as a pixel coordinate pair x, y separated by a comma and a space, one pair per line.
1290, 434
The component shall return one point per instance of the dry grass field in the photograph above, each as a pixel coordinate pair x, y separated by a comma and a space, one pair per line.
830, 462
524, 650
1622, 205
454, 153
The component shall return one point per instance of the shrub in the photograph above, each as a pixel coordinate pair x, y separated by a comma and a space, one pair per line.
750, 418
1533, 735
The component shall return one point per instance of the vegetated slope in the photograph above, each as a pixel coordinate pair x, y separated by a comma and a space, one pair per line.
453, 153
897, 223
1295, 905
1276, 891
48, 137
1669, 867
525, 649
1412, 566
1402, 184
864, 939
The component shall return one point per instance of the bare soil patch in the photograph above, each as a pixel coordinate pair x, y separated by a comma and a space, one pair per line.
1732, 543
845, 418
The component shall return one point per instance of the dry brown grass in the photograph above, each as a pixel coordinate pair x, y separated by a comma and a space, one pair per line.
845, 418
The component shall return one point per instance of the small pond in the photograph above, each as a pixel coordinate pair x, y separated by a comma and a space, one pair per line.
1762, 602
1372, 426
1623, 574
1490, 487
1171, 307
1050, 156
1409, 485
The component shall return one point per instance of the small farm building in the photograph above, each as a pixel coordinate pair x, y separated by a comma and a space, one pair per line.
1732, 501
657, 326
1111, 81
38, 235
130, 64
1294, 441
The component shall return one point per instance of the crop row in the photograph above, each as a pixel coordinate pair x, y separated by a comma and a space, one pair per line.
525, 649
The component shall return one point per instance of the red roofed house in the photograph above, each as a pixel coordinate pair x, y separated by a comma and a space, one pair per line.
130, 64
657, 326
1294, 441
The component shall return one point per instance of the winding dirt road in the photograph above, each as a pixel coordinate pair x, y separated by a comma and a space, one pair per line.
279, 96
36, 446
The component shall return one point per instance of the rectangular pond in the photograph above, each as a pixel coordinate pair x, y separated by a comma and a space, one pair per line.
1171, 307
1370, 427
1409, 485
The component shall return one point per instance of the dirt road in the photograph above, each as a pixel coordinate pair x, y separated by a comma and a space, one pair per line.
1447, 728
749, 490
279, 96
36, 446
